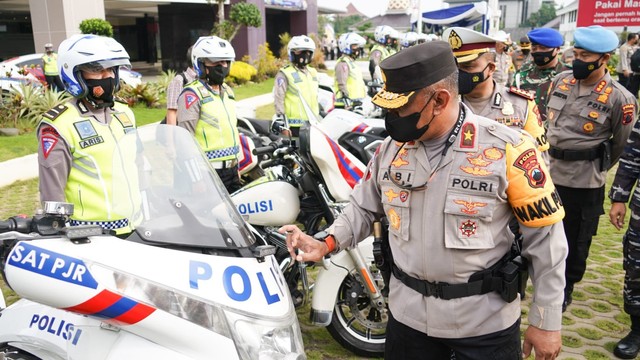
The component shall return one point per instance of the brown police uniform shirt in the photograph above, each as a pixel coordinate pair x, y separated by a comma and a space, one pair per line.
458, 225
504, 69
583, 117
54, 155
514, 108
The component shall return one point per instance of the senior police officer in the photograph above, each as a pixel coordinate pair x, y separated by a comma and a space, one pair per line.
590, 117
481, 93
536, 76
207, 108
467, 175
295, 83
77, 139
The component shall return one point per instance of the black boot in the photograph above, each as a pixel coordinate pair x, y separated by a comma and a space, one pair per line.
629, 346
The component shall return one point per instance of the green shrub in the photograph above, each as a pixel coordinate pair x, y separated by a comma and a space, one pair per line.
148, 94
612, 64
267, 64
97, 27
241, 72
284, 41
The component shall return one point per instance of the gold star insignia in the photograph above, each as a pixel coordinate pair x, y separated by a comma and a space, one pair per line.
468, 135
398, 162
390, 194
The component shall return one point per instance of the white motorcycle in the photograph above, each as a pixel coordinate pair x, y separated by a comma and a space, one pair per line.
191, 282
311, 184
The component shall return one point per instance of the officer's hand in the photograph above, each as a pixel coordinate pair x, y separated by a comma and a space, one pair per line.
627, 73
616, 214
279, 126
545, 344
313, 250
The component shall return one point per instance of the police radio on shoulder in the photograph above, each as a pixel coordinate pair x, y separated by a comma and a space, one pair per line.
326, 238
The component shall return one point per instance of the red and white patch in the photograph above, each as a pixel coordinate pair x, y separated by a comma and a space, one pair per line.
628, 111
190, 98
48, 143
404, 195
468, 228
98, 91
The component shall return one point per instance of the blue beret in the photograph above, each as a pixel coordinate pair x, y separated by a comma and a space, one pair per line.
595, 39
546, 37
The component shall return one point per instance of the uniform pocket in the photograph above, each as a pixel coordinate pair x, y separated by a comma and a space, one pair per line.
470, 215
396, 206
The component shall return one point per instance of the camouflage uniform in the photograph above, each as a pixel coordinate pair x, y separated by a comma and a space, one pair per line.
537, 81
626, 177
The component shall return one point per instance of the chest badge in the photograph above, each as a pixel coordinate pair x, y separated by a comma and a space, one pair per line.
469, 207
399, 162
468, 228
507, 109
391, 195
588, 127
394, 219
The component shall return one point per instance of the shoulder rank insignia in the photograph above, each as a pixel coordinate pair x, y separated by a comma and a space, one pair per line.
523, 93
55, 112
600, 86
229, 91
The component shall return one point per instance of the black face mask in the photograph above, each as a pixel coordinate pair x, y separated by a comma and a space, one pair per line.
468, 81
582, 69
355, 53
403, 128
302, 59
543, 58
216, 74
101, 91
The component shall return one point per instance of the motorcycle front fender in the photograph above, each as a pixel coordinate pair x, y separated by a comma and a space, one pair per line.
329, 279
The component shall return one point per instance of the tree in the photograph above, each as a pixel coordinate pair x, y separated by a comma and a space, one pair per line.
364, 27
240, 14
96, 26
546, 13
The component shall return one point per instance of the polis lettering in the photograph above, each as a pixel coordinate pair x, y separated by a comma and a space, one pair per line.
597, 106
538, 209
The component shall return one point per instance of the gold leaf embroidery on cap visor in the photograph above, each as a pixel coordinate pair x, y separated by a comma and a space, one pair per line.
391, 100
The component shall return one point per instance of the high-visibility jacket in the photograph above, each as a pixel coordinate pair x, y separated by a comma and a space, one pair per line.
216, 130
300, 84
50, 64
355, 83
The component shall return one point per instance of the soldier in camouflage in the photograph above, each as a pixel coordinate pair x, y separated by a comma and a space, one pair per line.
626, 177
536, 75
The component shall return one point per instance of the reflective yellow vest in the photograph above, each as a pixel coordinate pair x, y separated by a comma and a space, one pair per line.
216, 130
383, 51
96, 170
50, 64
300, 84
355, 83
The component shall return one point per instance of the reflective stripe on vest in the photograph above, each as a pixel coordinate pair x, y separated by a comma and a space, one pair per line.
50, 64
217, 127
355, 83
303, 84
93, 177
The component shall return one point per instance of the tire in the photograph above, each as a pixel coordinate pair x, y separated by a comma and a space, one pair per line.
355, 324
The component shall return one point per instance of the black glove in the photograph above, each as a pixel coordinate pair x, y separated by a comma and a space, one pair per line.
346, 101
279, 125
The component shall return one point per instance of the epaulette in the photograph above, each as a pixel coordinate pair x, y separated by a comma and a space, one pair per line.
55, 112
523, 93
229, 91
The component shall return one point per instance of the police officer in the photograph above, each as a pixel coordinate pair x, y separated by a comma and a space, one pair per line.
383, 48
296, 82
51, 73
522, 55
589, 120
468, 175
481, 93
504, 64
536, 75
207, 108
409, 39
349, 83
77, 139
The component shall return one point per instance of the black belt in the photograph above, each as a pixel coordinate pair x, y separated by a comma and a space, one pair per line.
575, 155
446, 291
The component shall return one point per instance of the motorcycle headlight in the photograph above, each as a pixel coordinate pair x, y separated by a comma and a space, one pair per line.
267, 339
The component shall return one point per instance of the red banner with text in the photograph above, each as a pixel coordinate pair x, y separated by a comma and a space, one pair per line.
609, 12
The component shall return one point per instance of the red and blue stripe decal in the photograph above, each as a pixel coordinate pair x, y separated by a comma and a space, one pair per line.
360, 128
246, 154
350, 171
110, 306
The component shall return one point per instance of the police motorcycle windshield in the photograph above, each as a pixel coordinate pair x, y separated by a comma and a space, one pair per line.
171, 196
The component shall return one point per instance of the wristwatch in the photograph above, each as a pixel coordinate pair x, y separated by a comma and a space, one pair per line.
326, 238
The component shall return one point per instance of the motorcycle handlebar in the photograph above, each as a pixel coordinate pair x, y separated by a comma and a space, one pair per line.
263, 150
16, 223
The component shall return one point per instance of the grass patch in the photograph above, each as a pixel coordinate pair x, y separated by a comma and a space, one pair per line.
265, 112
589, 333
591, 276
595, 290
581, 313
566, 321
608, 326
571, 341
12, 147
595, 355
600, 306
623, 318
253, 89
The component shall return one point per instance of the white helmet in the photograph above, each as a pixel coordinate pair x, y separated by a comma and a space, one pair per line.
409, 39
381, 32
301, 42
347, 40
422, 38
97, 52
213, 48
